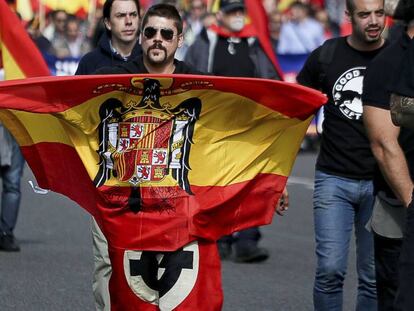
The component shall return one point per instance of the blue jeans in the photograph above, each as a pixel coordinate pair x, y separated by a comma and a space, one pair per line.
10, 197
339, 204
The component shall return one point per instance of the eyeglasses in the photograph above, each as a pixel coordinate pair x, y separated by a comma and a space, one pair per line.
166, 33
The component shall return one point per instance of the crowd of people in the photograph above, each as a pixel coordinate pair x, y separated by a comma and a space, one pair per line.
296, 28
362, 178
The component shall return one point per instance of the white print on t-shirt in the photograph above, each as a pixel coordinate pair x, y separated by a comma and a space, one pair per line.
347, 93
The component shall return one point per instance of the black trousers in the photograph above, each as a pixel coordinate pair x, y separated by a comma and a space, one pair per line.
387, 254
405, 295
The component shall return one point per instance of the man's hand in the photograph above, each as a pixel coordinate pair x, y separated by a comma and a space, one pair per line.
283, 203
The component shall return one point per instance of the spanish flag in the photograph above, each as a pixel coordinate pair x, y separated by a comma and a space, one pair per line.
192, 156
164, 163
19, 54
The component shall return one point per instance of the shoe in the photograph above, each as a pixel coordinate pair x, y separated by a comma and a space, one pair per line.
252, 255
224, 250
8, 243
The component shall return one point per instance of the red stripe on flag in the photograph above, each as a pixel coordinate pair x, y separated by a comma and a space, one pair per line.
57, 167
56, 94
165, 223
21, 47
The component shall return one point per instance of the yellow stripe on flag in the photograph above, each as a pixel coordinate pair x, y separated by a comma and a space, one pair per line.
11, 68
213, 150
71, 6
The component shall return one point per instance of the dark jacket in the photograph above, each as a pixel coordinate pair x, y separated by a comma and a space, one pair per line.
103, 56
198, 56
137, 66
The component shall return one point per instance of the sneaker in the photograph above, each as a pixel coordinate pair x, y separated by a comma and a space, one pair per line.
224, 250
252, 255
8, 243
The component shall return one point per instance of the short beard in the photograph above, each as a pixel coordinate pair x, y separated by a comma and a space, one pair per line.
159, 47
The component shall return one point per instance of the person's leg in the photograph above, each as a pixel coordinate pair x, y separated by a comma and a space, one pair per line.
10, 199
102, 269
387, 253
367, 292
246, 246
224, 245
405, 295
333, 217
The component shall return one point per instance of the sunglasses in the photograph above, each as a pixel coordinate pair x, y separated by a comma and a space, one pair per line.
166, 33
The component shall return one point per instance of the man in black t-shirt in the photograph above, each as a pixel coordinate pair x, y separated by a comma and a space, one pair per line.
393, 149
343, 196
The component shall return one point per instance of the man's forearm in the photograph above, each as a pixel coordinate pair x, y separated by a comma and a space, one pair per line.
395, 170
383, 136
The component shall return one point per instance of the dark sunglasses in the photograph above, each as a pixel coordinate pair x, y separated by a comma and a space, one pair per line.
166, 33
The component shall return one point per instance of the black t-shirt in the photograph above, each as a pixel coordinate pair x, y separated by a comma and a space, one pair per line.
345, 150
383, 69
137, 66
231, 58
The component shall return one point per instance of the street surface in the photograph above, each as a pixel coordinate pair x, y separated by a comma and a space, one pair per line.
53, 270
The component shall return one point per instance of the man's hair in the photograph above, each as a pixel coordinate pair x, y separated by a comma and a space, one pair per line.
299, 4
164, 10
350, 6
55, 13
108, 6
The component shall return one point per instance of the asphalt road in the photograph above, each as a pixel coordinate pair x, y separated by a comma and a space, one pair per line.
53, 270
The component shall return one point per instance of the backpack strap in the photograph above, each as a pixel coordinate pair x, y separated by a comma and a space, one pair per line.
326, 57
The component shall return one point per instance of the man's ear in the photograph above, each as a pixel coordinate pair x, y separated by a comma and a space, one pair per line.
107, 24
348, 16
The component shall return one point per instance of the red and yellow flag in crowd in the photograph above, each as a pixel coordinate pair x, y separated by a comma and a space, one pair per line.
161, 161
19, 55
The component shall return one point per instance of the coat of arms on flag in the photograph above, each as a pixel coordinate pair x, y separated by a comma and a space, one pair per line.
143, 141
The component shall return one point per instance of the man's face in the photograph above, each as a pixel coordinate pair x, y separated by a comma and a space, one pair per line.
197, 9
160, 40
60, 20
123, 21
72, 30
298, 13
233, 20
368, 20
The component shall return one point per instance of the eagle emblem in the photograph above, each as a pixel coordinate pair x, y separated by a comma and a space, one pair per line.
143, 142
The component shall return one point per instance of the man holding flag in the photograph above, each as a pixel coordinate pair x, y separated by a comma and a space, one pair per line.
161, 162
161, 36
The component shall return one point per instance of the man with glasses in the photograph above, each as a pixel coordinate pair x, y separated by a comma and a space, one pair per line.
161, 36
